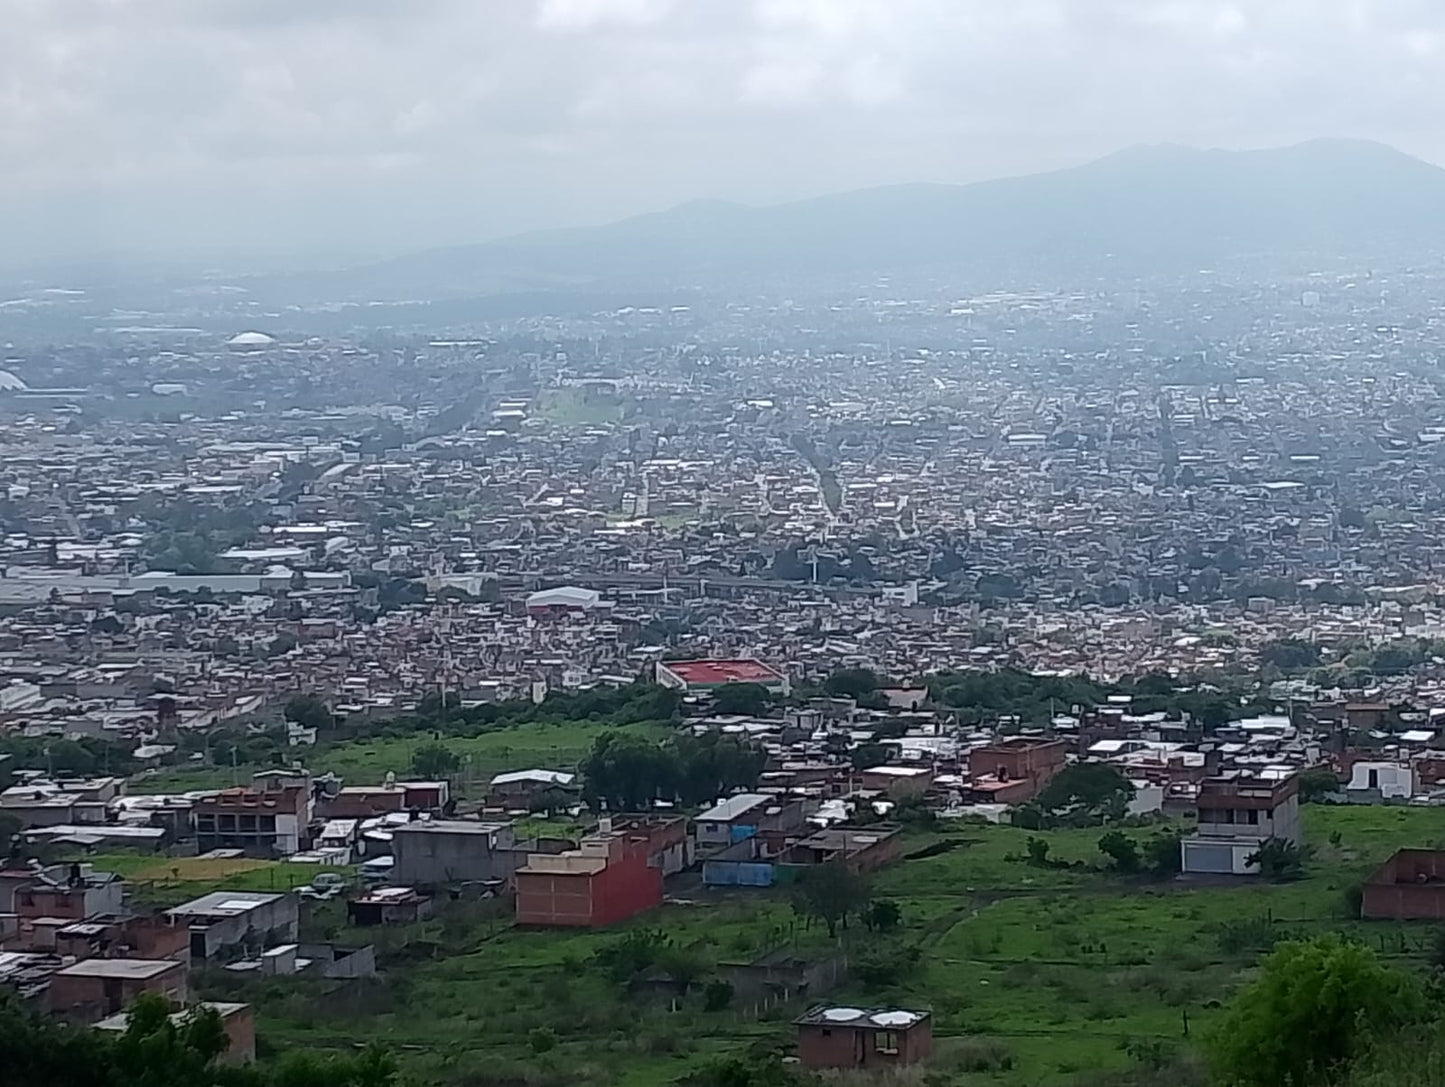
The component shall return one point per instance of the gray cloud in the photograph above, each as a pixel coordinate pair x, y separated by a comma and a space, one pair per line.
356, 126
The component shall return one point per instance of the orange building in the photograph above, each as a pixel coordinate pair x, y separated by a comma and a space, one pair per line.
605, 880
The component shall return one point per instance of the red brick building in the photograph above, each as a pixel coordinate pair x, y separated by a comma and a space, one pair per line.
1410, 886
1014, 770
365, 801
834, 1037
606, 880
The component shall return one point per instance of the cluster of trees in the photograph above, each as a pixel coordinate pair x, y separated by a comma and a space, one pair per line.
792, 563
626, 772
747, 699
155, 1051
80, 757
191, 534
1033, 699
1157, 855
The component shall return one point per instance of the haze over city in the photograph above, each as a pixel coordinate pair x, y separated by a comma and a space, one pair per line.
342, 130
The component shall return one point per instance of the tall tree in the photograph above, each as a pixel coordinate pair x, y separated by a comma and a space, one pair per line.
1087, 792
308, 711
1314, 1008
627, 773
830, 893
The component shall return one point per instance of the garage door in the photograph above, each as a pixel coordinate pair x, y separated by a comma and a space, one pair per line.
1208, 857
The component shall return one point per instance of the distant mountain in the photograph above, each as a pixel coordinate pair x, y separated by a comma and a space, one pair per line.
1159, 208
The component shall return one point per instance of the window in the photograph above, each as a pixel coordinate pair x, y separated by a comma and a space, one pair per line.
886, 1041
1253, 817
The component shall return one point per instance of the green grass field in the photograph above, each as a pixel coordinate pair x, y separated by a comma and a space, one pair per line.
157, 880
580, 407
1065, 969
523, 747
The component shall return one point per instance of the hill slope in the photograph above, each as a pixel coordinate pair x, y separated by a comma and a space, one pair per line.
1149, 208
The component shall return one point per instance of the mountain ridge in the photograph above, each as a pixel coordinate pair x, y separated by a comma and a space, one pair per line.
1149, 207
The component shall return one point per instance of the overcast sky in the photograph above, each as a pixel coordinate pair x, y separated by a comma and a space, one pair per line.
352, 127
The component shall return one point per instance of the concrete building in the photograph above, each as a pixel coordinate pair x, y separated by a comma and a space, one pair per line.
389, 906
95, 988
566, 600
519, 788
73, 892
269, 820
877, 1038
743, 816
1236, 817
898, 781
433, 852
1374, 781
227, 919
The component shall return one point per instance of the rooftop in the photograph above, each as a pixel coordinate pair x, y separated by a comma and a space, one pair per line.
225, 902
882, 1018
708, 673
734, 806
119, 968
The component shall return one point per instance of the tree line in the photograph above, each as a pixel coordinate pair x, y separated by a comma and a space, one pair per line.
157, 1051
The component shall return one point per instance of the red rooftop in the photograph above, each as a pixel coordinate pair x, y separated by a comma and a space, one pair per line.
703, 675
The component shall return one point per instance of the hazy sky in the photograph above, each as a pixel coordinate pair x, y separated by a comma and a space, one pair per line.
361, 126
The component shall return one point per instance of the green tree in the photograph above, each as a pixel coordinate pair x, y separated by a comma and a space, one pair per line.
855, 683
830, 893
627, 773
713, 765
1278, 859
1316, 783
1121, 850
683, 966
1313, 1009
866, 756
1087, 793
717, 994
1290, 654
1038, 851
882, 915
626, 957
1161, 852
432, 761
747, 699
308, 711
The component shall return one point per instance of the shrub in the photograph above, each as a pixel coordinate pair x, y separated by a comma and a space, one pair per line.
717, 995
977, 1055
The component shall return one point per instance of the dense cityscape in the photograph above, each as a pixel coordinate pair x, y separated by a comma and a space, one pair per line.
404, 637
